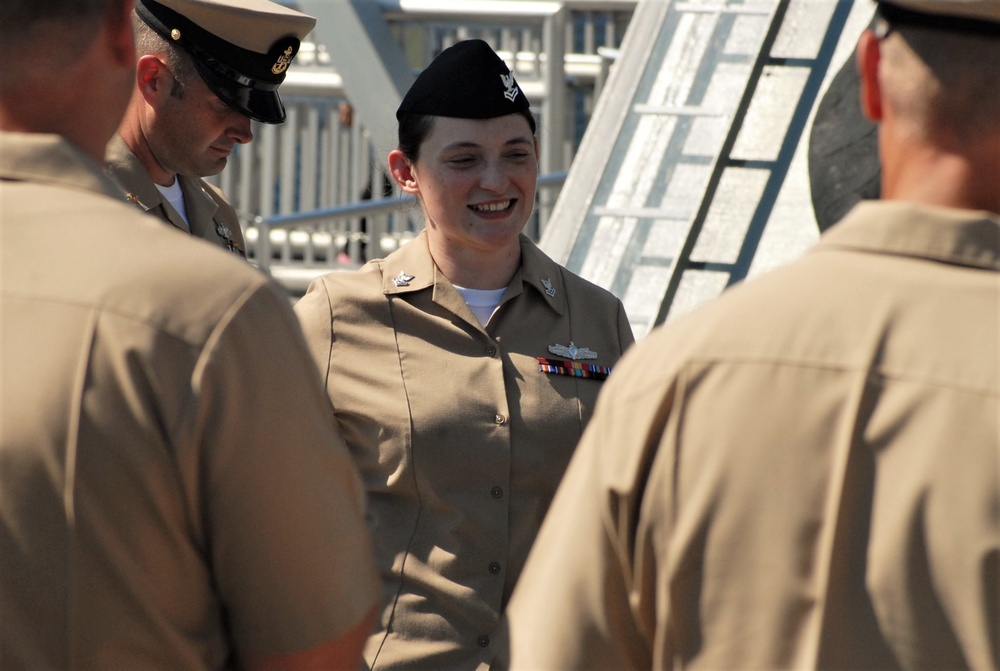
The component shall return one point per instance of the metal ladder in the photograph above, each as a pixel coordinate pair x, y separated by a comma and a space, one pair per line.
685, 159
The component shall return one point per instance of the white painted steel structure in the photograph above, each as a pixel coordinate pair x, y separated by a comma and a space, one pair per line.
691, 174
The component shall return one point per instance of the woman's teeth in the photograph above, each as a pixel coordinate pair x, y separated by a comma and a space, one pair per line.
492, 207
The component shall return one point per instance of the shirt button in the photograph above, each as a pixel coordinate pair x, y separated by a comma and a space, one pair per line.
483, 641
491, 351
500, 419
496, 492
494, 568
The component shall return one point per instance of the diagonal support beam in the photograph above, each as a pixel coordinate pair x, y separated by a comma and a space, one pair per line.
369, 60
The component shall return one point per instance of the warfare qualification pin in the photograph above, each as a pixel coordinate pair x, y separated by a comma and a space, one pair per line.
572, 352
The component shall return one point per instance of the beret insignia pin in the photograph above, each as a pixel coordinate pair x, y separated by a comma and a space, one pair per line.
572, 352
284, 60
402, 279
511, 86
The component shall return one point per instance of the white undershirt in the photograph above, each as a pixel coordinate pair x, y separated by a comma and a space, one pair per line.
482, 302
175, 197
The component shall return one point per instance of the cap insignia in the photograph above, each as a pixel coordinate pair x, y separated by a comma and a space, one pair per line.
283, 61
175, 34
508, 82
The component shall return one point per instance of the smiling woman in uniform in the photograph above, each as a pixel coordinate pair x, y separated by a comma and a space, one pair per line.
462, 368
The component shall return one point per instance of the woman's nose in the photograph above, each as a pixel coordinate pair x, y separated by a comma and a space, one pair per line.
494, 177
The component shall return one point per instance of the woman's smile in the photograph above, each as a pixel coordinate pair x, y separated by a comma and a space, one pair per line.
501, 207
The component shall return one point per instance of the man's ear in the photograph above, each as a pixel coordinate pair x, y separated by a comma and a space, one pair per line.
153, 78
869, 53
121, 40
402, 172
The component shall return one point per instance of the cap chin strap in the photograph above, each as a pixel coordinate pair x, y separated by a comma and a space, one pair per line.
217, 66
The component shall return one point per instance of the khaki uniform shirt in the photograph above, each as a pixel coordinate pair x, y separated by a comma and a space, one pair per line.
804, 474
172, 487
460, 438
211, 216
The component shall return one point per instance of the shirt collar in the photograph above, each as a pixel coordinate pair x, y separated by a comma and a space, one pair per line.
543, 275
43, 157
126, 169
959, 237
410, 268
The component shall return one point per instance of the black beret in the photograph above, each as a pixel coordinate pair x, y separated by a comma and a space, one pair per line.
241, 48
466, 81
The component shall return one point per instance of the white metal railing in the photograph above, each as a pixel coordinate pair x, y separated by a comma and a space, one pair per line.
297, 247
323, 158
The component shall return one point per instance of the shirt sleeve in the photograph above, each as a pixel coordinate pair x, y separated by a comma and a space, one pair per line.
316, 318
282, 504
625, 335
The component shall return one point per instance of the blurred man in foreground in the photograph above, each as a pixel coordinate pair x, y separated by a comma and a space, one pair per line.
781, 482
206, 68
173, 492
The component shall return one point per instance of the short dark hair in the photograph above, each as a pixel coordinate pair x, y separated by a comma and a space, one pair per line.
148, 41
17, 15
414, 129
21, 21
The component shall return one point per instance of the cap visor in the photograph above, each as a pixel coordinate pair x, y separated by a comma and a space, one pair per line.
263, 106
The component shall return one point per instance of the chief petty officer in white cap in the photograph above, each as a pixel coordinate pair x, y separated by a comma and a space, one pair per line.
805, 473
206, 68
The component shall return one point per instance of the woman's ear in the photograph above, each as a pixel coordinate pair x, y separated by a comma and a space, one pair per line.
402, 172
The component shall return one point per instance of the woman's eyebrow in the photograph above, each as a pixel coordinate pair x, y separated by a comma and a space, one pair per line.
468, 144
